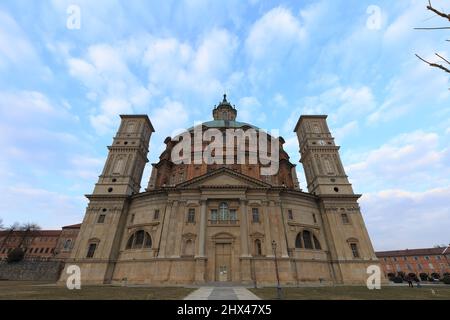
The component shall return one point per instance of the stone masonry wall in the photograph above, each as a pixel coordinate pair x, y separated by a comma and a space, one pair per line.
31, 270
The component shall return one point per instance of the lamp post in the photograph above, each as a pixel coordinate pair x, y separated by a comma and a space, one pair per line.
274, 248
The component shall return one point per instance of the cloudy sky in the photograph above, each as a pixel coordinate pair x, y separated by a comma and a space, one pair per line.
62, 89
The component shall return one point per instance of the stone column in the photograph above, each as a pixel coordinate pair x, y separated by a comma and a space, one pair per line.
244, 229
165, 231
202, 231
200, 257
268, 236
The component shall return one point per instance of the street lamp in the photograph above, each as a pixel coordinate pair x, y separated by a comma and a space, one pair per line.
274, 248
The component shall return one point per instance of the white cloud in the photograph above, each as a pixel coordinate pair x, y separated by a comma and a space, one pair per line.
416, 159
342, 132
250, 110
56, 208
274, 35
15, 48
399, 219
417, 85
171, 116
178, 66
105, 72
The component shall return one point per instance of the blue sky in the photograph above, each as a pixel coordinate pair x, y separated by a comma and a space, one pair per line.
61, 91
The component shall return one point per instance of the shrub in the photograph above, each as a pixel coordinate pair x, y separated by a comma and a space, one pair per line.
15, 255
397, 279
435, 275
423, 276
446, 279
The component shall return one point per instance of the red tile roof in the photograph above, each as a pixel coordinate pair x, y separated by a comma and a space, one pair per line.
411, 252
73, 226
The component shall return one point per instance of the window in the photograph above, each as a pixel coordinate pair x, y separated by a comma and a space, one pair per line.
307, 240
416, 258
156, 215
345, 219
395, 259
46, 250
420, 266
258, 249
91, 250
290, 215
223, 211
427, 258
233, 216
316, 243
314, 218
138, 240
101, 218
255, 214
214, 215
405, 258
67, 244
409, 267
355, 251
298, 240
132, 218
191, 216
438, 257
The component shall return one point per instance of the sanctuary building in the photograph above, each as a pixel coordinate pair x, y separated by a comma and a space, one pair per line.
217, 210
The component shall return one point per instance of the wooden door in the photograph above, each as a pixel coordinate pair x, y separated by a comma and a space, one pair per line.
223, 262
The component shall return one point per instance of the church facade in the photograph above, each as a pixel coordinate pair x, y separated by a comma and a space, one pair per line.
205, 222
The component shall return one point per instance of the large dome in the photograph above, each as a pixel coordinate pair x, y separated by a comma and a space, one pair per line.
169, 173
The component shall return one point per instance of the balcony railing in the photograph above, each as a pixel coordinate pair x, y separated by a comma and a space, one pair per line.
224, 222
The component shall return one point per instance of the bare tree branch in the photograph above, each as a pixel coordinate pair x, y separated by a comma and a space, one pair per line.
432, 28
442, 58
432, 64
439, 13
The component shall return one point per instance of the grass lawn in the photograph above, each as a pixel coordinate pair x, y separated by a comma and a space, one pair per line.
44, 291
357, 293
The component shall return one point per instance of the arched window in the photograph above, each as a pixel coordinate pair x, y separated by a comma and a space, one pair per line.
138, 240
316, 243
258, 248
67, 244
307, 239
93, 244
298, 240
130, 242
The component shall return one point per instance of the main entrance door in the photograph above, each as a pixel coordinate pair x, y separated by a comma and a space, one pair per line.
223, 261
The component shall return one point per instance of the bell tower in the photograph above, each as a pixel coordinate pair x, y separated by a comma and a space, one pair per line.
322, 164
127, 157
98, 243
350, 248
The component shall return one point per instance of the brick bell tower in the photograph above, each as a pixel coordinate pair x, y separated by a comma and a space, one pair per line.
97, 245
350, 248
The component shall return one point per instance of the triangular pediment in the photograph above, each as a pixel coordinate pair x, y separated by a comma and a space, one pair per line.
224, 177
